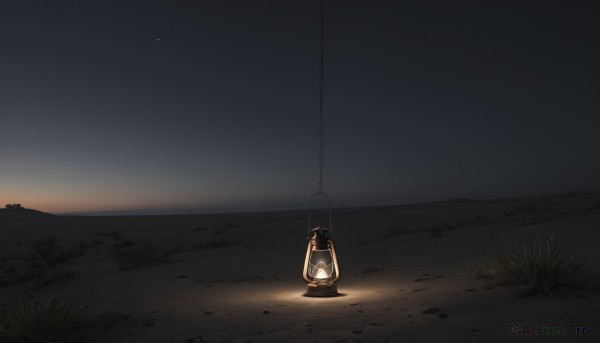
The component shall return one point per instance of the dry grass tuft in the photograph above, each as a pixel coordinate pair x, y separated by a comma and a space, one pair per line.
52, 321
538, 266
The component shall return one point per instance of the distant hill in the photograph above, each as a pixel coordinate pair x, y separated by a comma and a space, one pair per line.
456, 200
22, 212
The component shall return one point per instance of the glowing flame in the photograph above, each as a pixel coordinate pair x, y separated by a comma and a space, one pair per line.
321, 274
321, 270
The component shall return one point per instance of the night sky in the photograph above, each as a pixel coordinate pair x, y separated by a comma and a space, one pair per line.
212, 106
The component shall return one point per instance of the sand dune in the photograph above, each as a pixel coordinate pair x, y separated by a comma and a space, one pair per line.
237, 277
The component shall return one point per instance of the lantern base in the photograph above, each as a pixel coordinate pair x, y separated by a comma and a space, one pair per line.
321, 290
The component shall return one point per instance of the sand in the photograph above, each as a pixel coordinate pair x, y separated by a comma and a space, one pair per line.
237, 277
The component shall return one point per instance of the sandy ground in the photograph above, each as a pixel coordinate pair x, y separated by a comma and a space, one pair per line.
237, 277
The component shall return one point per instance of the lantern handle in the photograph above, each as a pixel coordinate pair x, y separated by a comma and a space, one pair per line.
310, 209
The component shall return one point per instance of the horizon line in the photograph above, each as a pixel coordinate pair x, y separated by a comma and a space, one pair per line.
191, 211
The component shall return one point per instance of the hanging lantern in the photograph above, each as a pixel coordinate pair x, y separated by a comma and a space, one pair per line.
321, 270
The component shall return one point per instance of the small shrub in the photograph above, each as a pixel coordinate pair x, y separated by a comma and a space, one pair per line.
46, 252
52, 321
230, 224
14, 207
538, 266
137, 256
176, 249
437, 231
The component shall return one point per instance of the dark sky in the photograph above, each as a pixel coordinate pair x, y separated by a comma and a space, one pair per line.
200, 106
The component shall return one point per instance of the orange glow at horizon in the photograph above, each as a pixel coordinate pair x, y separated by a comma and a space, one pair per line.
64, 201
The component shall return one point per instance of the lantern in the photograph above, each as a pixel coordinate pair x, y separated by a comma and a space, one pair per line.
321, 270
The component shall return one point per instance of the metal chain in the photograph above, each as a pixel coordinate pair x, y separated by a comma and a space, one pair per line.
321, 133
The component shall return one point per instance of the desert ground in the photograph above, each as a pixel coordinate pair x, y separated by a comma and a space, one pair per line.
237, 277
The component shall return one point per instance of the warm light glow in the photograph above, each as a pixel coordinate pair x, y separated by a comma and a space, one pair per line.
321, 274
322, 270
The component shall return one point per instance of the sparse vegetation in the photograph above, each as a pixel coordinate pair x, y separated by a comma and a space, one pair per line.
176, 249
137, 255
391, 233
529, 221
399, 230
230, 224
438, 231
114, 234
52, 321
48, 252
40, 264
83, 245
538, 266
387, 234
14, 207
217, 242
